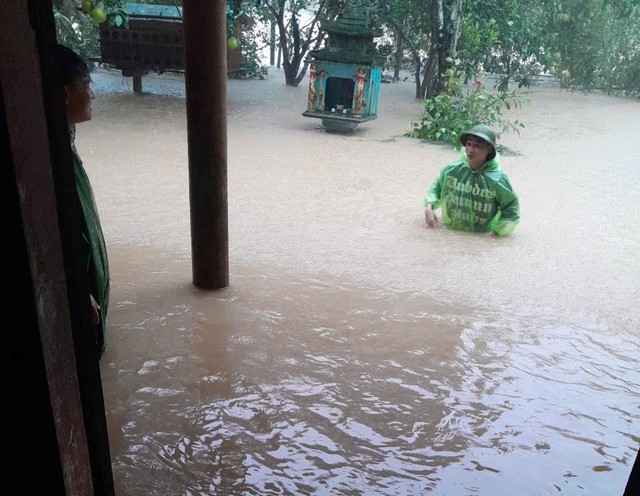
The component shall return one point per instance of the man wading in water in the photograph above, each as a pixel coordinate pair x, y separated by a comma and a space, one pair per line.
473, 192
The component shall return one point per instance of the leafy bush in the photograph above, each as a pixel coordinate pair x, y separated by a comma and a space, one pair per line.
449, 114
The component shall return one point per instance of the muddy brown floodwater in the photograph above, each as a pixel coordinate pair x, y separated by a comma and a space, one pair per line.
356, 351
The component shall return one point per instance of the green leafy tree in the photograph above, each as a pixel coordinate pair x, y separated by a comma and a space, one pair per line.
586, 44
595, 44
443, 44
298, 31
429, 30
244, 35
506, 38
77, 23
447, 115
478, 39
409, 22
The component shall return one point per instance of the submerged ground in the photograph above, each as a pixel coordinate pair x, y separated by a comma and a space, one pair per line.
356, 351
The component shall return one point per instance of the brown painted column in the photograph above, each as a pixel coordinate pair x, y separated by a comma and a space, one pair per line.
205, 46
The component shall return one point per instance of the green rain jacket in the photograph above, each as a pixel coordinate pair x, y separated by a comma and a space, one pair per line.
93, 250
477, 201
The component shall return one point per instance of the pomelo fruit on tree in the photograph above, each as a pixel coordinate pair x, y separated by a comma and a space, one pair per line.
232, 42
98, 15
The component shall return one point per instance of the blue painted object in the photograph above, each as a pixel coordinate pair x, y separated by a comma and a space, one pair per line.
345, 75
152, 10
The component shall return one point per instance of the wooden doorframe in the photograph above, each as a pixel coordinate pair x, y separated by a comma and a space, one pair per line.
53, 371
56, 416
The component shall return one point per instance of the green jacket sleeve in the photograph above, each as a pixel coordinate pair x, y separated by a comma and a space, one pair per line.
433, 193
509, 208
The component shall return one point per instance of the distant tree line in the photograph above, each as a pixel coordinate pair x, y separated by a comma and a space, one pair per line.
584, 44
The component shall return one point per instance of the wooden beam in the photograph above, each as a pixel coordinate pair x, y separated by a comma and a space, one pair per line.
52, 345
206, 93
77, 279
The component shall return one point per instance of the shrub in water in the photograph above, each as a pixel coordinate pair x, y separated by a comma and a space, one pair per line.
449, 114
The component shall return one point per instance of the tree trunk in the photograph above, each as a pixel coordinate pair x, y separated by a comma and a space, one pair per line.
419, 85
272, 44
293, 55
450, 37
397, 59
284, 48
432, 67
427, 90
445, 32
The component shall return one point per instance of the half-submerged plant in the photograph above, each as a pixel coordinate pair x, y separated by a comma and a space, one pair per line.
449, 114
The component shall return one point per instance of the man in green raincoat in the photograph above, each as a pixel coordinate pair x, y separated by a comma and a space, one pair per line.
78, 98
473, 192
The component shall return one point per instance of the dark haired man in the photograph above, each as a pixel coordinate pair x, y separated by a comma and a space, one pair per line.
78, 98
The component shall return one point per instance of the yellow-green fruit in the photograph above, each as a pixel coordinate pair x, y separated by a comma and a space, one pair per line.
566, 74
564, 17
86, 6
232, 42
556, 56
98, 15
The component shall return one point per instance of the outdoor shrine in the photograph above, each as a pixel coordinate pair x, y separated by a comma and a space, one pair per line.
344, 76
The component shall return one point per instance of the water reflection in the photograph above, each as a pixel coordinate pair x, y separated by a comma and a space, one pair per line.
278, 385
331, 365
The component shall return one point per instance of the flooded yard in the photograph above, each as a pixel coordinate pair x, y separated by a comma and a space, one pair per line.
356, 351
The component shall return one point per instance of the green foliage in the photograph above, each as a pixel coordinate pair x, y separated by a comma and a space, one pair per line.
477, 40
232, 15
449, 114
77, 23
75, 29
251, 67
297, 23
504, 37
250, 38
598, 43
78, 29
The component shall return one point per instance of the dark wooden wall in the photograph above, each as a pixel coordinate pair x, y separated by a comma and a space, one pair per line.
55, 419
57, 424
